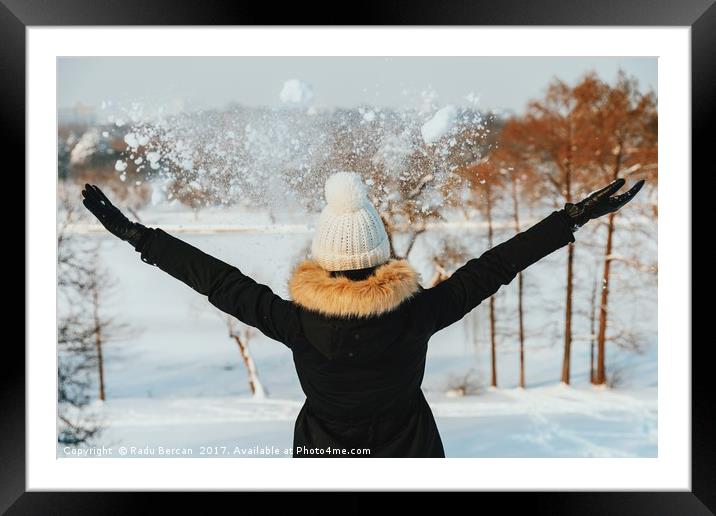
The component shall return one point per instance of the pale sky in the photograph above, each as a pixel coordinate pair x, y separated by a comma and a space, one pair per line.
499, 83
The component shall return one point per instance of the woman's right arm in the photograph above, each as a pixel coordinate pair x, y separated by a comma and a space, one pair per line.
225, 286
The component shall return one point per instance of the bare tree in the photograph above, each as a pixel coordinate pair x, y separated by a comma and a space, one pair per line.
104, 329
242, 339
405, 213
82, 328
76, 423
448, 257
467, 384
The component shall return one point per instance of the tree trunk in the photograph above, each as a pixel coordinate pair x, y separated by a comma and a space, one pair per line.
568, 316
601, 377
570, 287
389, 232
520, 288
254, 383
592, 331
96, 321
602, 338
413, 237
493, 343
475, 331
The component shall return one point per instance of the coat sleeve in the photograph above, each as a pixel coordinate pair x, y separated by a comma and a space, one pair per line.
225, 286
481, 277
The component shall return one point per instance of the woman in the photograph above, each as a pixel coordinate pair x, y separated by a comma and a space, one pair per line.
359, 322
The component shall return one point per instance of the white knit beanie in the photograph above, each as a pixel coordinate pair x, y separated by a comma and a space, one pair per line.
350, 234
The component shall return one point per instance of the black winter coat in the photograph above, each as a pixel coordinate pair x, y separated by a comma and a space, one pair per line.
359, 347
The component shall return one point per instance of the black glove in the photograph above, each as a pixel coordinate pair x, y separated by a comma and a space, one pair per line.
111, 218
600, 203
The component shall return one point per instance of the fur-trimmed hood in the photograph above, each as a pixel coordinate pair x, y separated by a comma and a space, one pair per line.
313, 287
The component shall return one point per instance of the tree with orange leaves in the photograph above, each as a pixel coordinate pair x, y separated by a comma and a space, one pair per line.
508, 158
550, 139
623, 130
575, 139
485, 180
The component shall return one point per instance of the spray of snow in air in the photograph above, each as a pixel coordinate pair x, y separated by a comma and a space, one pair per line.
85, 148
296, 92
472, 98
428, 101
440, 124
277, 157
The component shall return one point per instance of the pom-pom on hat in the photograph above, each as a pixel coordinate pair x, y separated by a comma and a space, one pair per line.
350, 234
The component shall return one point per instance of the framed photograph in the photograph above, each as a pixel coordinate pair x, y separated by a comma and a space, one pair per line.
434, 235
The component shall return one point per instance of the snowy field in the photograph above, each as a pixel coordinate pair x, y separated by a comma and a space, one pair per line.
553, 421
177, 380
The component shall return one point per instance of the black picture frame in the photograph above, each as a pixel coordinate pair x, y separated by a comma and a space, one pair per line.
699, 15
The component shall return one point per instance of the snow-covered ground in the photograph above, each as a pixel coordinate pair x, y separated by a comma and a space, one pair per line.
177, 380
552, 421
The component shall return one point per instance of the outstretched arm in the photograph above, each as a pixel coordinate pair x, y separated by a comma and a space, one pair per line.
225, 286
481, 277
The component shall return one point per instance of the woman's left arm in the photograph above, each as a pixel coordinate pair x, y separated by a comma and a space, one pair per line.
481, 277
225, 286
